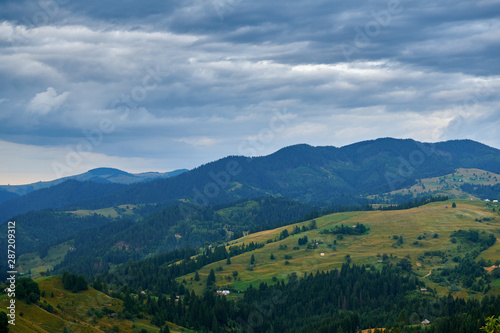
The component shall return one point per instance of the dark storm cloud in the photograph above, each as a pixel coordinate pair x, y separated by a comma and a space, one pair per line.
185, 82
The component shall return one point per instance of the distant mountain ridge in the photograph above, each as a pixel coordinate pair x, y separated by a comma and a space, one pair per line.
59, 196
314, 175
321, 176
98, 175
226, 197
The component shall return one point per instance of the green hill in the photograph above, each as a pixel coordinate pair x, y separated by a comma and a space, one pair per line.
85, 311
461, 184
314, 175
426, 244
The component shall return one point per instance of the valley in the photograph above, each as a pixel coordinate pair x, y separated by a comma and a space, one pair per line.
157, 253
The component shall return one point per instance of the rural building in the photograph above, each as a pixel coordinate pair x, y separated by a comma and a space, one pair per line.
223, 292
495, 201
424, 290
425, 322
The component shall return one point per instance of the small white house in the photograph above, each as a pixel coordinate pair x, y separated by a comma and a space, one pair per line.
223, 292
487, 200
322, 254
495, 201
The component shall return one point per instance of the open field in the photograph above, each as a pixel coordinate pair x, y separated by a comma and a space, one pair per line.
423, 222
112, 212
449, 184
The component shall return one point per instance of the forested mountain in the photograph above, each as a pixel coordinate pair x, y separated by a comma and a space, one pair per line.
152, 229
316, 175
99, 175
58, 196
32, 227
321, 176
6, 195
170, 228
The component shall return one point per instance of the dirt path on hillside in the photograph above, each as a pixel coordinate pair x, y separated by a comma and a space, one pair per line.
428, 274
490, 269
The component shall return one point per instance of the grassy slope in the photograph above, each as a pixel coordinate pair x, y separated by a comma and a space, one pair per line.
450, 184
33, 262
112, 212
72, 312
422, 221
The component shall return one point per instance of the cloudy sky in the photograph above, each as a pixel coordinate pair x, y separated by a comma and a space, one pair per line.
159, 85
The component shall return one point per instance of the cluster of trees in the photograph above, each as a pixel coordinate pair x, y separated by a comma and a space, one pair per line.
415, 203
28, 290
74, 282
303, 240
235, 250
297, 230
475, 236
468, 272
358, 229
483, 191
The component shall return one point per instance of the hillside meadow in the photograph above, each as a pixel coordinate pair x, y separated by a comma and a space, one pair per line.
423, 229
80, 312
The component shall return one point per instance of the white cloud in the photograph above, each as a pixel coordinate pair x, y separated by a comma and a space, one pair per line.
198, 141
47, 101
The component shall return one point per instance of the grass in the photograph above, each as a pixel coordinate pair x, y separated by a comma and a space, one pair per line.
111, 212
76, 311
450, 184
423, 221
71, 311
33, 262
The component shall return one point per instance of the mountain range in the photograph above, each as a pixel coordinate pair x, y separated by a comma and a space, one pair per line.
104, 225
321, 176
99, 175
314, 175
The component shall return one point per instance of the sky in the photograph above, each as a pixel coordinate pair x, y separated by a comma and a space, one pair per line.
162, 85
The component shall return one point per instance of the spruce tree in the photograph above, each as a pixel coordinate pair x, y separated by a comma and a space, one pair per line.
211, 278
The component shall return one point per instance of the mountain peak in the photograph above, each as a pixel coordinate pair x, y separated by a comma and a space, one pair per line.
107, 171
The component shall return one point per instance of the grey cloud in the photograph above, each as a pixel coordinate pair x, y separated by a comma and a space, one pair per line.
225, 66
